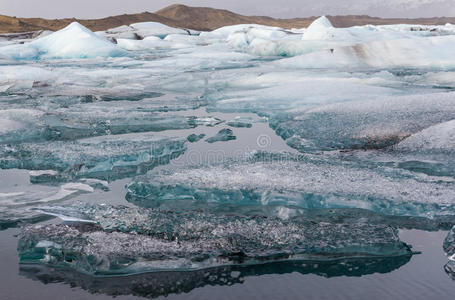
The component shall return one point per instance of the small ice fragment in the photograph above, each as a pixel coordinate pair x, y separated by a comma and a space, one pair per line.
222, 136
193, 138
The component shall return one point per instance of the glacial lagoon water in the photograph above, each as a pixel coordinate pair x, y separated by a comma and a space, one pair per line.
248, 162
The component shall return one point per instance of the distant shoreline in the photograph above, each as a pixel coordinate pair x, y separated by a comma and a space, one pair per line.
200, 18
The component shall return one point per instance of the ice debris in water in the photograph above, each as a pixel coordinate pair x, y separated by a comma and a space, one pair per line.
301, 180
133, 240
193, 138
107, 157
223, 135
74, 41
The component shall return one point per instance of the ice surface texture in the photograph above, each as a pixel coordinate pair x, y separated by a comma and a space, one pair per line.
65, 124
16, 206
107, 157
223, 135
129, 240
304, 181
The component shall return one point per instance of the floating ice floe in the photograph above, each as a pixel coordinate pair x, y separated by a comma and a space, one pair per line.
29, 125
193, 138
367, 124
131, 240
223, 135
303, 181
107, 157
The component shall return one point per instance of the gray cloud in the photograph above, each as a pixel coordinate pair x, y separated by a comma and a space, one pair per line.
285, 9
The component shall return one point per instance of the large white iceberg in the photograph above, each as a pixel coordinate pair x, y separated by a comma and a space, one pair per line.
73, 41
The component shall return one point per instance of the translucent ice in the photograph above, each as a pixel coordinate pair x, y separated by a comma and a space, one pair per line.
303, 181
193, 138
108, 157
130, 241
223, 135
16, 203
78, 122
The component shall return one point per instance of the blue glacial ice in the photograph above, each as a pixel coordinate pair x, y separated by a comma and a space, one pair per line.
107, 157
17, 203
135, 240
223, 135
304, 181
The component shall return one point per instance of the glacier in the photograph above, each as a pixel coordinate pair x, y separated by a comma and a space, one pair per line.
245, 150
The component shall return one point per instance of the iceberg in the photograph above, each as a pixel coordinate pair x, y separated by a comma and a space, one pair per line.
131, 241
322, 29
74, 41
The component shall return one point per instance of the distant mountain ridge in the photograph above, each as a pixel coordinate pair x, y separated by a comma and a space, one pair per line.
198, 18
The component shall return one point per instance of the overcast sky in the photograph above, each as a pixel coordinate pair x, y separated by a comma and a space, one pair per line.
275, 8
